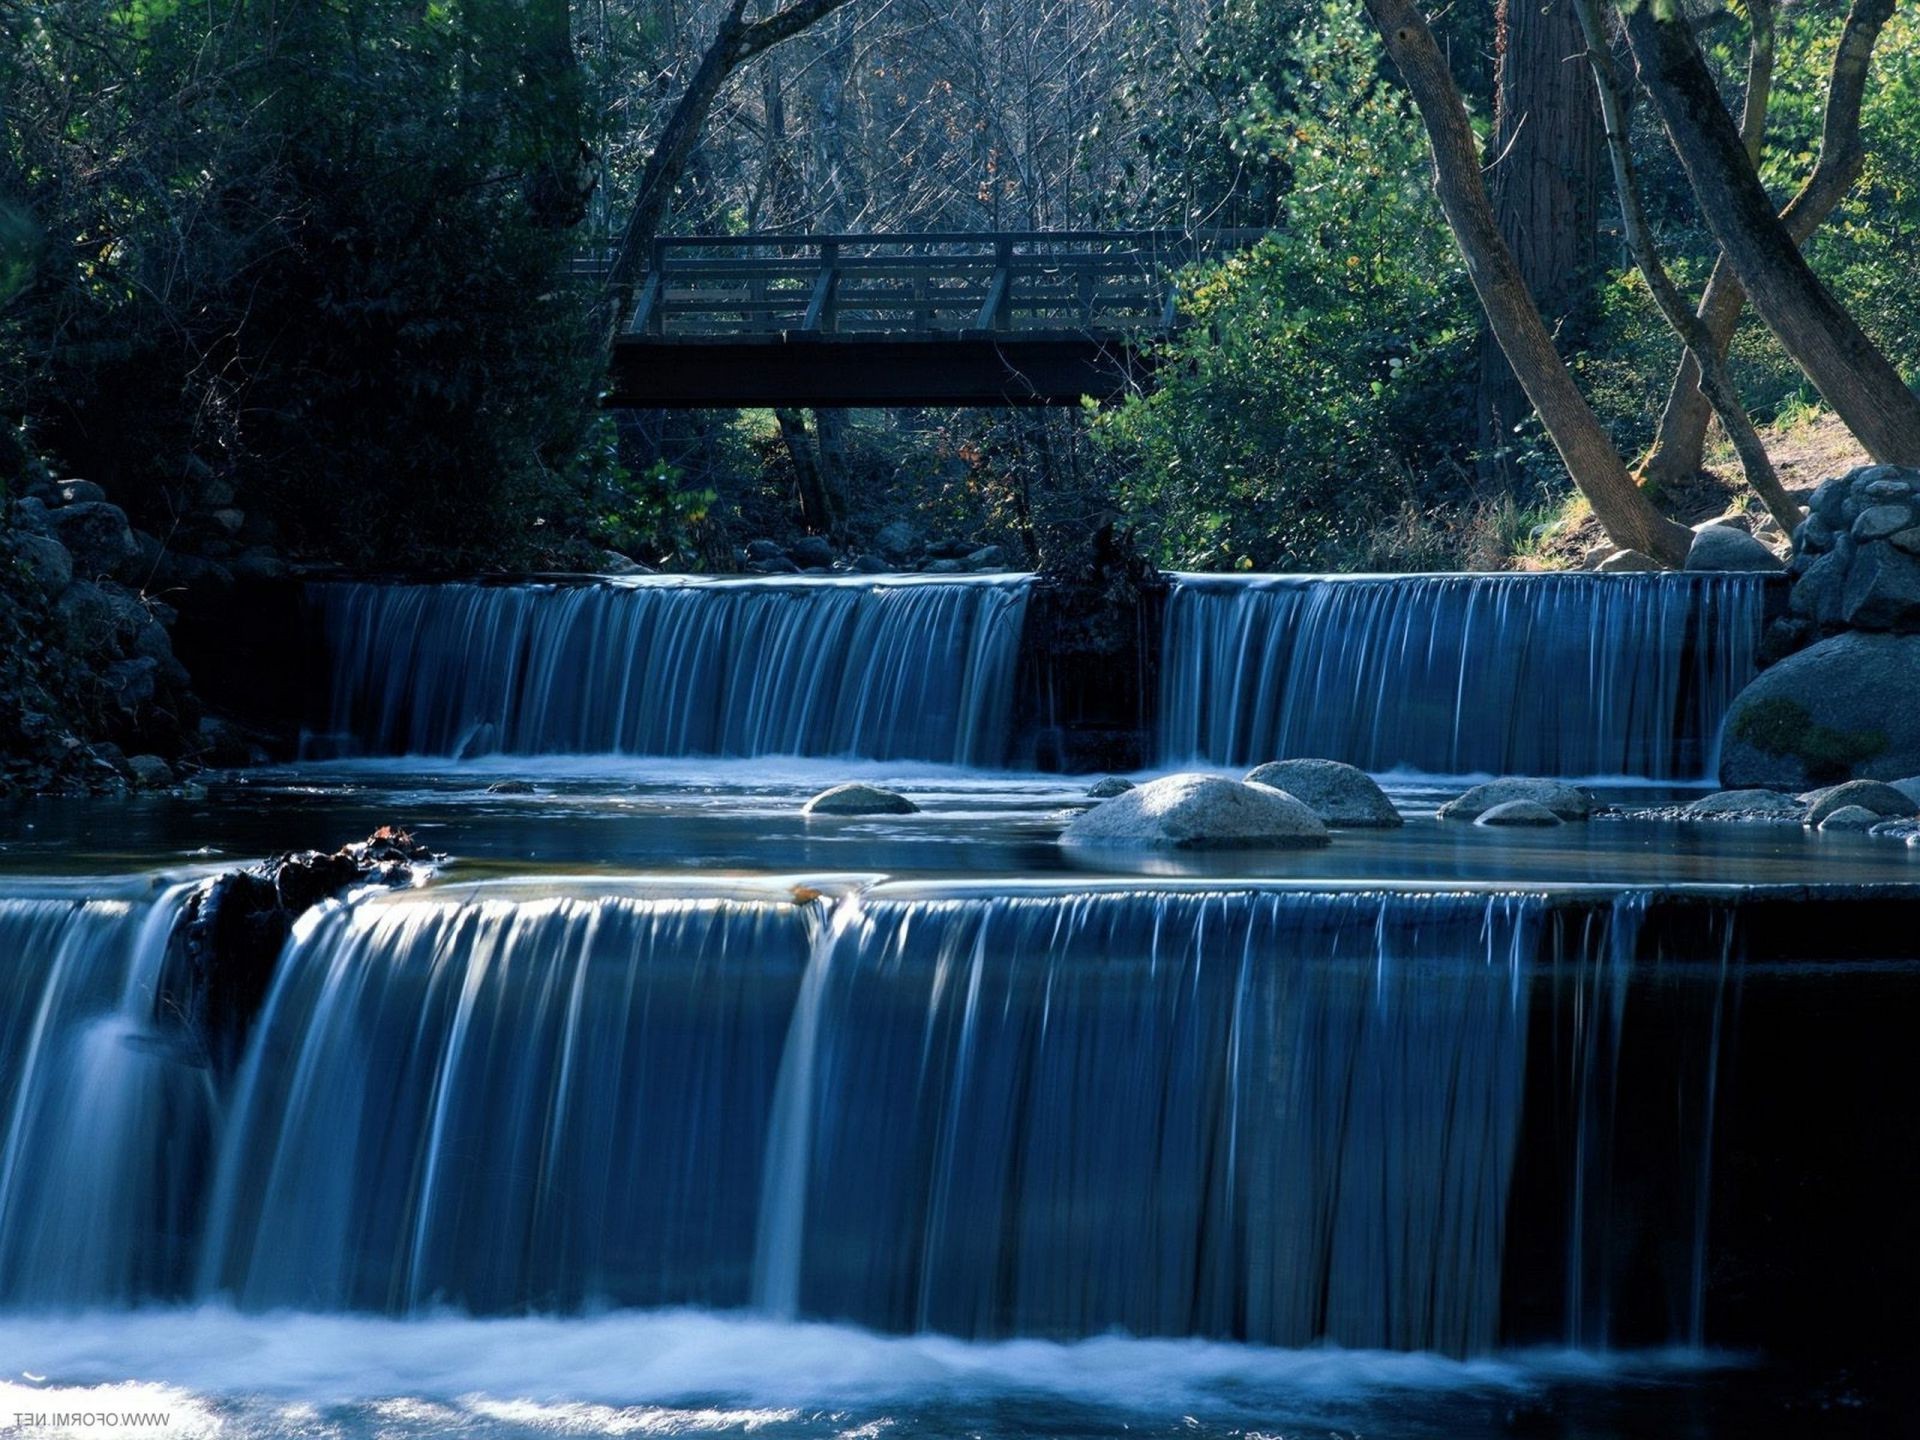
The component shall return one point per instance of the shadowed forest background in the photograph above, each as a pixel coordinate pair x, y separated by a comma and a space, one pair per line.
319, 263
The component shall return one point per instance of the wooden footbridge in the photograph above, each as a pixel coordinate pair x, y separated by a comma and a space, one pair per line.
1036, 318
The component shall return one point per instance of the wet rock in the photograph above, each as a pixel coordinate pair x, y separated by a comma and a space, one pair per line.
897, 541
1896, 829
1885, 801
510, 787
951, 549
871, 565
945, 567
1850, 817
1567, 802
96, 535
149, 772
1909, 787
1109, 786
773, 565
811, 550
854, 798
46, 562
78, 492
987, 557
1197, 812
233, 931
1520, 814
1625, 562
1722, 547
764, 550
1744, 805
1841, 709
1341, 795
228, 519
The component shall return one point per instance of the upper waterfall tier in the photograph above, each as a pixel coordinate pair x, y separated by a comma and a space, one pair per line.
1572, 675
886, 670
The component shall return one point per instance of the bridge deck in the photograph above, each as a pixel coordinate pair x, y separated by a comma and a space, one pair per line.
1040, 318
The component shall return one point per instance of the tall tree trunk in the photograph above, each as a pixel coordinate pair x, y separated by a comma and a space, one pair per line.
816, 505
1828, 345
1681, 440
734, 43
1715, 380
1589, 455
561, 179
1543, 176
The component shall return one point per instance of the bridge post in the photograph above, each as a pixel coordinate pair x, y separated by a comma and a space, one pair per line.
822, 309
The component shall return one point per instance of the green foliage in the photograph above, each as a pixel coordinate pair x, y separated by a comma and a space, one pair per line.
1320, 386
300, 248
654, 513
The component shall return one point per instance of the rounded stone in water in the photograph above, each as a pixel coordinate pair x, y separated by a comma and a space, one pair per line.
1110, 786
1883, 802
1190, 812
1850, 817
1744, 805
857, 799
1339, 794
1566, 802
1519, 814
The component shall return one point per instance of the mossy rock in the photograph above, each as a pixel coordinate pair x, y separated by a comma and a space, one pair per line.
1845, 709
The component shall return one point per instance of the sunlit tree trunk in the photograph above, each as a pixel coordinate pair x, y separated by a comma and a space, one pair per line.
1584, 446
1542, 174
1715, 381
1852, 376
1680, 443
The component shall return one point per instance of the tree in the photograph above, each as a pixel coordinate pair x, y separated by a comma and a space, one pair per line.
1681, 439
1711, 363
737, 41
1584, 446
1824, 340
1543, 172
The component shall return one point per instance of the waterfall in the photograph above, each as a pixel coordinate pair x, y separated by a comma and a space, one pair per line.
1277, 1117
106, 1110
1574, 675
508, 1104
1173, 1113
1274, 1115
894, 669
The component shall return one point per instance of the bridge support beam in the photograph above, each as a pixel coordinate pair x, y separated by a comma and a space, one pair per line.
827, 371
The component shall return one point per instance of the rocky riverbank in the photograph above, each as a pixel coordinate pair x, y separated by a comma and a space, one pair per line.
93, 698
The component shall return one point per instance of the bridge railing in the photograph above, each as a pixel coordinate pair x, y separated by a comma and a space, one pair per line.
1050, 282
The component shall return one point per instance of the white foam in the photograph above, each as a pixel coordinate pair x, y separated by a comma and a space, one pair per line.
611, 1372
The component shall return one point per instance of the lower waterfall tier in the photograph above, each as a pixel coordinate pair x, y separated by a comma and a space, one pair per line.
1439, 1121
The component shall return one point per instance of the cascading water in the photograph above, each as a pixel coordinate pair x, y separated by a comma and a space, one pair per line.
505, 1105
1277, 1117
1567, 675
882, 669
106, 1109
1273, 1115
